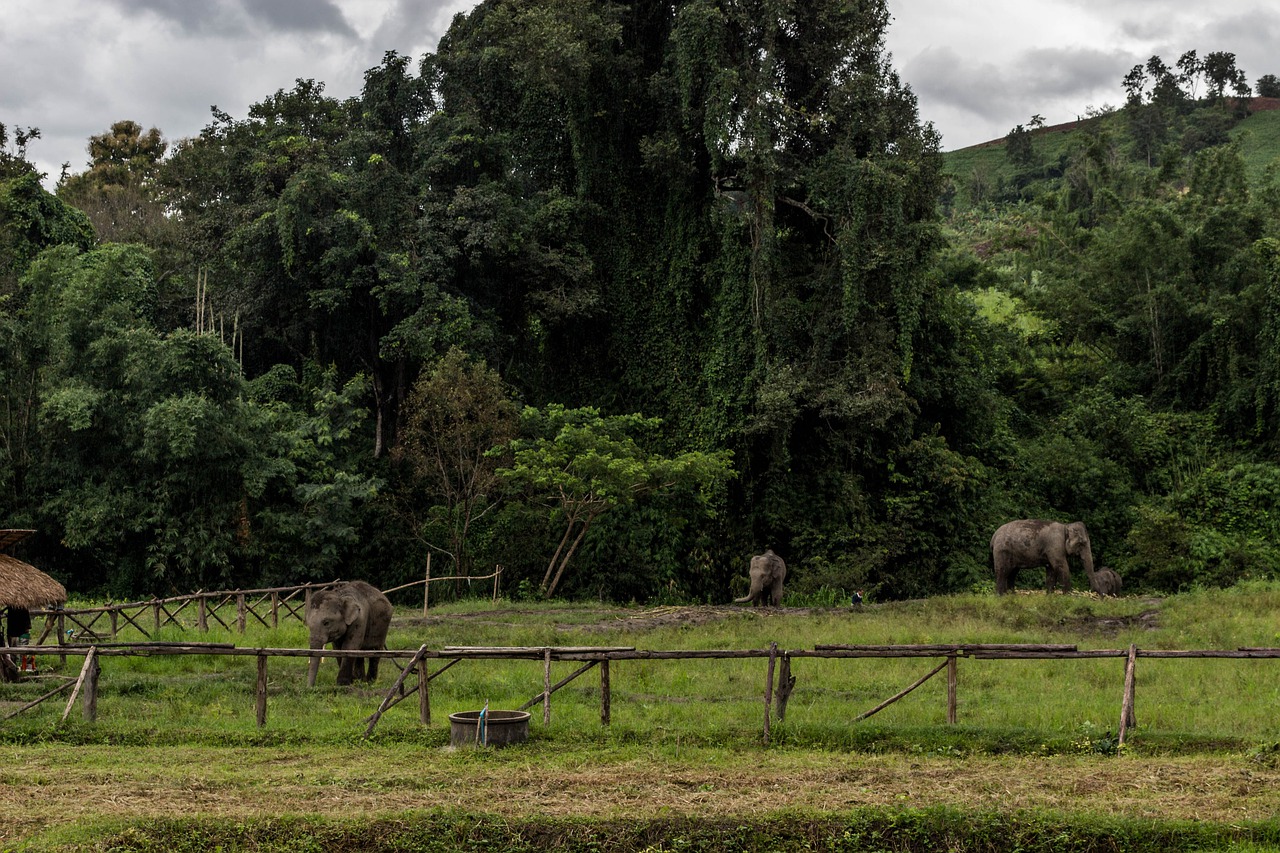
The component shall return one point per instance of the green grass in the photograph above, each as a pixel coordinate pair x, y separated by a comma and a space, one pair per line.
1259, 137
179, 728
210, 699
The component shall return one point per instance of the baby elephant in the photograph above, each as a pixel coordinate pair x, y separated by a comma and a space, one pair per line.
352, 615
1105, 582
767, 574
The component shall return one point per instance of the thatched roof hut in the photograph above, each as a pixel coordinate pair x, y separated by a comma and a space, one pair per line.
23, 585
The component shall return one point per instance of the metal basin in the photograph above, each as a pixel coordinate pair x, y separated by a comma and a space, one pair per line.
502, 728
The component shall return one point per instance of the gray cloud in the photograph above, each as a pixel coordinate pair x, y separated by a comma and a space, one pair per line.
241, 17
1056, 72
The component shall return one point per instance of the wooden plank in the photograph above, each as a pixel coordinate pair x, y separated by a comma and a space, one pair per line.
886, 703
953, 647
952, 677
768, 688
396, 693
424, 693
546, 687
84, 672
561, 683
61, 688
261, 708
89, 701
1127, 717
606, 698
786, 683
130, 620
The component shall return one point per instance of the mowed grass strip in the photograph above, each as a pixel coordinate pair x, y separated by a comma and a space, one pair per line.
51, 798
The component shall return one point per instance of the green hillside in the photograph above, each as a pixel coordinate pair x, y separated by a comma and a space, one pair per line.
1259, 140
988, 164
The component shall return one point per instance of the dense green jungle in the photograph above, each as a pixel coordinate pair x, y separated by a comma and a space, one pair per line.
616, 295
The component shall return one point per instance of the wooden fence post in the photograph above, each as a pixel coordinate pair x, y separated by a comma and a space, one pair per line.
157, 609
1127, 716
424, 696
768, 689
605, 698
426, 586
275, 610
89, 702
546, 687
786, 683
952, 677
115, 628
90, 661
262, 690
240, 623
202, 621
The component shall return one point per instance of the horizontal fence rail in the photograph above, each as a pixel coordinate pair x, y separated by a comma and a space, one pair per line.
779, 682
233, 610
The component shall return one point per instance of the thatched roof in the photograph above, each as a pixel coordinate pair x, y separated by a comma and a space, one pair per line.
9, 538
23, 585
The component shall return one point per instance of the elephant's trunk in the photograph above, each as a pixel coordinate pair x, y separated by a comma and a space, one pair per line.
744, 598
313, 668
1086, 560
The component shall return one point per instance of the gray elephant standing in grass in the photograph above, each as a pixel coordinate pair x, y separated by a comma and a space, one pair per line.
351, 615
1030, 543
768, 571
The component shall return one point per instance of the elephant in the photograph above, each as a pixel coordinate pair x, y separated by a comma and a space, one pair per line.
1033, 542
1105, 582
351, 615
767, 574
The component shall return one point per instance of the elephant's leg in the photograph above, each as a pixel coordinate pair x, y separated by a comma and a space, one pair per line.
344, 671
357, 669
1003, 577
372, 674
1058, 575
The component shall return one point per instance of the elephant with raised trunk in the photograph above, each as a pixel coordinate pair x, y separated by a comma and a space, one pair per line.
1030, 543
351, 615
768, 571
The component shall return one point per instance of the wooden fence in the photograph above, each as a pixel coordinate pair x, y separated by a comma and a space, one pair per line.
778, 684
232, 609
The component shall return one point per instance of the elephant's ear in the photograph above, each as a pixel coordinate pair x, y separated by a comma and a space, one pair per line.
350, 610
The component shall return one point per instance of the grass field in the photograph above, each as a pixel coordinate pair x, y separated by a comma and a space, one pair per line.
175, 759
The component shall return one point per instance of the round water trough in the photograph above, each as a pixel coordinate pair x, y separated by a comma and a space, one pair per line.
501, 728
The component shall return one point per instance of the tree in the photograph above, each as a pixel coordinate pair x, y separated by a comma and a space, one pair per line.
14, 163
31, 219
1220, 73
120, 192
582, 464
456, 413
1019, 147
1268, 86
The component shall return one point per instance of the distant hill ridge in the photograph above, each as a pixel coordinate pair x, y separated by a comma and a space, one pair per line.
1256, 105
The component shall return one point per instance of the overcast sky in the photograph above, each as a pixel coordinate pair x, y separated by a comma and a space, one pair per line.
73, 67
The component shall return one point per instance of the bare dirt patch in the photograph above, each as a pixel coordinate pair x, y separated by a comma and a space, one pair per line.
607, 619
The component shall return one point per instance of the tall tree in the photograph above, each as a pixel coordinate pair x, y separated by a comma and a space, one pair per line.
119, 190
456, 414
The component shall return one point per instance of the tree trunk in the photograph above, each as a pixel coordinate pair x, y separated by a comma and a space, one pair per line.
555, 582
